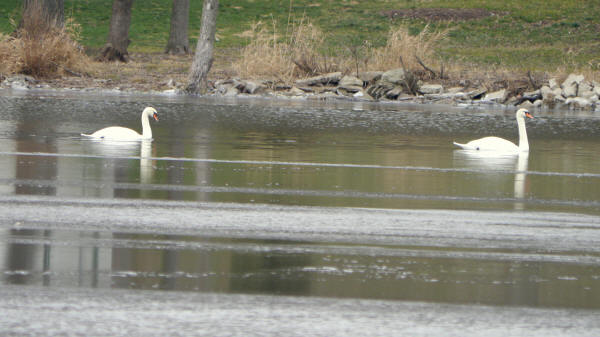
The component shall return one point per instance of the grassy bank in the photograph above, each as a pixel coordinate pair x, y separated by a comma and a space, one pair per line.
537, 35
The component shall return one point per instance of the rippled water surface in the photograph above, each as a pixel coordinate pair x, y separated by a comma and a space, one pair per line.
335, 200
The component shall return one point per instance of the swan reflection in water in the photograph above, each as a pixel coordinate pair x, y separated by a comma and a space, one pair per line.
120, 150
492, 162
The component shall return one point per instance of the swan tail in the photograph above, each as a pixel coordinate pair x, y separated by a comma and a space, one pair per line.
464, 146
85, 135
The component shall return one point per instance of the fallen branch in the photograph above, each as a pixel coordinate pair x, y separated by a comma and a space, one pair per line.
433, 73
72, 72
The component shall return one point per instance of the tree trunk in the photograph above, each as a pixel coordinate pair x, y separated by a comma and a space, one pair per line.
118, 36
178, 38
51, 11
203, 59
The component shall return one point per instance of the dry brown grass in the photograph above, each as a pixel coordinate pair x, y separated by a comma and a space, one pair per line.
298, 53
283, 57
402, 49
42, 48
265, 57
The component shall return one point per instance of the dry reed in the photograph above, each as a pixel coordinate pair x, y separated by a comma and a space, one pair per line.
42, 48
402, 50
298, 53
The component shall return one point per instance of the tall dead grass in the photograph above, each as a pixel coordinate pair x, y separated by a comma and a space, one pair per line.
405, 50
299, 52
285, 56
42, 48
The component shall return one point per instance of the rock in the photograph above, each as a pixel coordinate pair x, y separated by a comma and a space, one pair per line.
296, 92
350, 81
538, 103
359, 94
477, 93
249, 87
431, 89
585, 90
532, 95
394, 93
596, 87
170, 92
552, 84
578, 102
526, 104
20, 82
497, 96
547, 94
394, 76
307, 89
280, 87
345, 90
231, 91
331, 78
379, 89
455, 90
570, 85
370, 76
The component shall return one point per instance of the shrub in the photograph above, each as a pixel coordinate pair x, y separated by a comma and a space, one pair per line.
42, 48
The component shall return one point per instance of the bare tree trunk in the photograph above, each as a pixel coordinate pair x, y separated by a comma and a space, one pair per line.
118, 36
178, 38
53, 11
203, 59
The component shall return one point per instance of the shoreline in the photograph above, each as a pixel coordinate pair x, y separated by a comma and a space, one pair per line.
581, 95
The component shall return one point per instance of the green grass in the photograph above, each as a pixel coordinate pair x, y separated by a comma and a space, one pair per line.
532, 34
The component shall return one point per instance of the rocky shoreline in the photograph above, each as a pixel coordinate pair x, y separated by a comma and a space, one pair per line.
574, 93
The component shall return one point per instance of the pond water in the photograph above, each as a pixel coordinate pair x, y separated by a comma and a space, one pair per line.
300, 198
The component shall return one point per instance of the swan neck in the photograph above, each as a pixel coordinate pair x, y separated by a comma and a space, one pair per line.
523, 141
146, 130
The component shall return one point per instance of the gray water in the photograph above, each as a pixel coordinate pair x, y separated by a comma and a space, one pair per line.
325, 200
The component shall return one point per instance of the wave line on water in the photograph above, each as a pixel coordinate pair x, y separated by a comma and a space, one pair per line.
294, 192
304, 164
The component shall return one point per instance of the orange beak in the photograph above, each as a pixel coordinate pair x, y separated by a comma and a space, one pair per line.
155, 115
526, 114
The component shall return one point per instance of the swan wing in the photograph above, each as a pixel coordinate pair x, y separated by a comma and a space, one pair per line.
115, 133
490, 144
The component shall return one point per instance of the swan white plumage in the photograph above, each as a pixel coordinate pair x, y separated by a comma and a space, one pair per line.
502, 145
120, 133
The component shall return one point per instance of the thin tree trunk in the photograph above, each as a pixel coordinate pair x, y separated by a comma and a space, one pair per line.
203, 59
53, 11
178, 38
118, 36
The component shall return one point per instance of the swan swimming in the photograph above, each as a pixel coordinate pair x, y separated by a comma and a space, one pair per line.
502, 145
126, 134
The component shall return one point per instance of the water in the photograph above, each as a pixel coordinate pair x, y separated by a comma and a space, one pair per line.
353, 201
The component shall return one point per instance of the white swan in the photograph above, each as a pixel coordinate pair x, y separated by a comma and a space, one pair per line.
125, 134
499, 144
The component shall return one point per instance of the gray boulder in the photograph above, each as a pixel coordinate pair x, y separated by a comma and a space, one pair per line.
578, 102
497, 96
431, 89
370, 76
585, 90
327, 79
477, 93
571, 84
394, 76
350, 81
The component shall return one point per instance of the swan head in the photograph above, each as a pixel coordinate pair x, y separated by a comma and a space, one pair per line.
150, 111
522, 113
